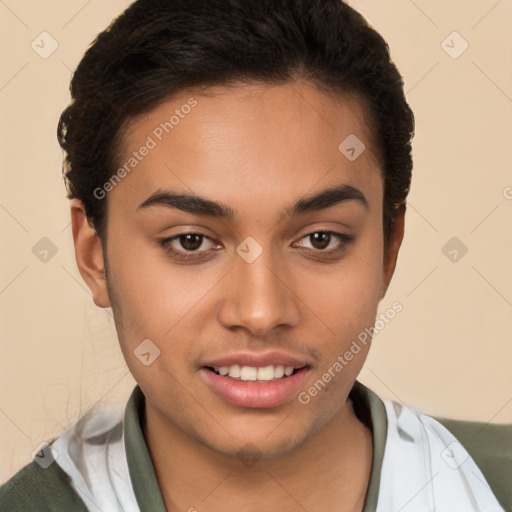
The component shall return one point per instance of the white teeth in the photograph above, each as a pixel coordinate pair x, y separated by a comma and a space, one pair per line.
234, 371
248, 373
266, 373
252, 373
278, 371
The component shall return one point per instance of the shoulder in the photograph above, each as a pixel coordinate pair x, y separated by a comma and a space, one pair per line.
33, 488
490, 446
421, 448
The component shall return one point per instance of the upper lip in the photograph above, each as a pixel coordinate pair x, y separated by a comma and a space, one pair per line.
258, 360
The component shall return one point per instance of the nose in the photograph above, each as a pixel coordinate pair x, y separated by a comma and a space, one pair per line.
259, 296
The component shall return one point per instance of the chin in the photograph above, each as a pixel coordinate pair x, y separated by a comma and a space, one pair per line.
251, 448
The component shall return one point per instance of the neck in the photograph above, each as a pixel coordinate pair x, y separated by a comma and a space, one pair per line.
331, 469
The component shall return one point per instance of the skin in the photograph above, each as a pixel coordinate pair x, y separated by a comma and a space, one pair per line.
258, 149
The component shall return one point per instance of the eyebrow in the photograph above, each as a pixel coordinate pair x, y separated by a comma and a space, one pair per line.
202, 206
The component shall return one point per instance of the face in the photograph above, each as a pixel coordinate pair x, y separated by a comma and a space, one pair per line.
276, 266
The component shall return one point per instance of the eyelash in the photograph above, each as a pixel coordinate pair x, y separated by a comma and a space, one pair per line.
194, 255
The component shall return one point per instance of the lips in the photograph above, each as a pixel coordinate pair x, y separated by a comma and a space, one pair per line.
255, 380
257, 360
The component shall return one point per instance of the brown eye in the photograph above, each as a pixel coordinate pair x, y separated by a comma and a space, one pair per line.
320, 239
191, 242
189, 246
325, 243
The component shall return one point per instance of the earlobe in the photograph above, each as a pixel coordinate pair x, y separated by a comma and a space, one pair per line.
89, 254
391, 255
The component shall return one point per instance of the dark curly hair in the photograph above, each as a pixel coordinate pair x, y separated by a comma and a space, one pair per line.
159, 47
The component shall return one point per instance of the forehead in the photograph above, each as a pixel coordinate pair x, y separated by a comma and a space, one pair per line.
249, 141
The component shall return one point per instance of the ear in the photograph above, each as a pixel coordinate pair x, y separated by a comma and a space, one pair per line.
89, 254
391, 255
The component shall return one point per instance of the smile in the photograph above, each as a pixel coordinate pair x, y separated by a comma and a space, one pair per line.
255, 387
254, 373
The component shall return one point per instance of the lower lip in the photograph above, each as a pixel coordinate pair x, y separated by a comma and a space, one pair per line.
255, 394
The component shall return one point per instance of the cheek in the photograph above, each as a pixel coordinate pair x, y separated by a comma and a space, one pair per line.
154, 304
346, 302
152, 295
345, 296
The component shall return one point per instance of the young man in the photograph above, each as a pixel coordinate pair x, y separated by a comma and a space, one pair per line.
238, 172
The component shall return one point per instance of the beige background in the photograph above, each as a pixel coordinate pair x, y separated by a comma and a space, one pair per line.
449, 351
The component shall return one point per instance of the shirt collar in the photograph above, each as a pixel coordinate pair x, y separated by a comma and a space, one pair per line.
142, 472
368, 407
